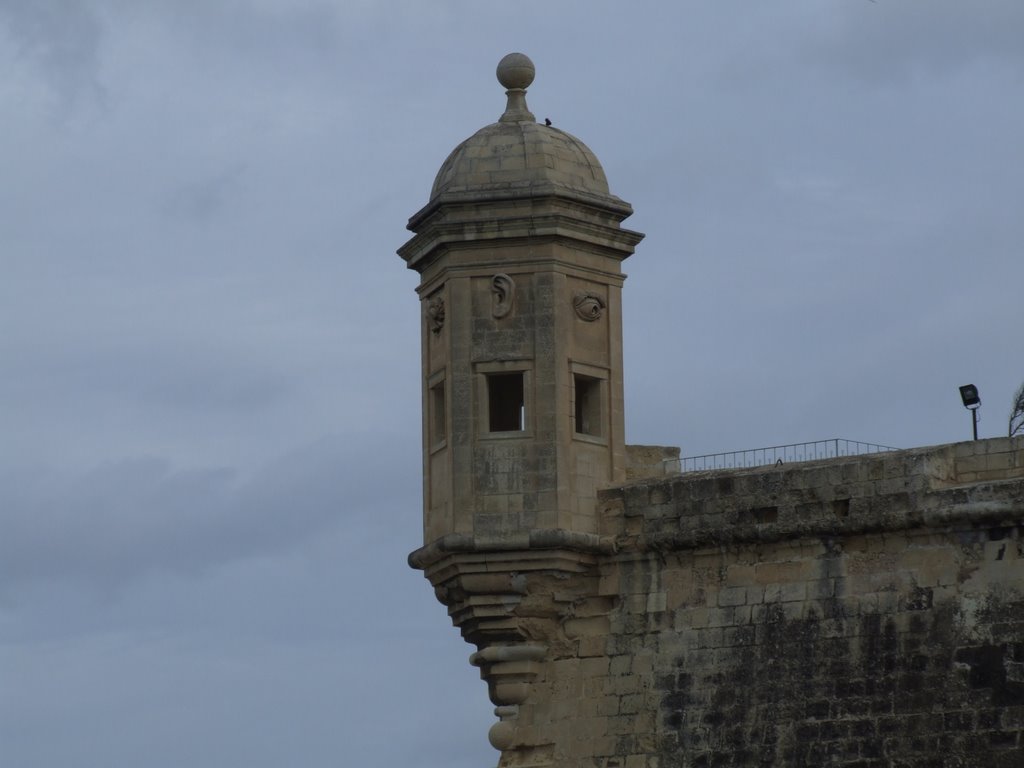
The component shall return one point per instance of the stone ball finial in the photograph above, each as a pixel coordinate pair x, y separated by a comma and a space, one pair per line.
516, 71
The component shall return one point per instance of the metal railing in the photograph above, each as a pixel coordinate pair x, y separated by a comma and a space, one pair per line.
779, 454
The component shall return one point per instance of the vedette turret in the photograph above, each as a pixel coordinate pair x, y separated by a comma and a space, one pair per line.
519, 250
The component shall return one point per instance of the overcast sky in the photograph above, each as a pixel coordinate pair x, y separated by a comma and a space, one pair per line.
209, 395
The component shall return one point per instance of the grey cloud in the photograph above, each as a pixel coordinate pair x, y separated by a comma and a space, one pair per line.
124, 519
205, 274
871, 42
168, 377
204, 198
63, 40
240, 699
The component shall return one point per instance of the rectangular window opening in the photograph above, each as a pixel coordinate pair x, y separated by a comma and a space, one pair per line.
588, 405
506, 403
438, 414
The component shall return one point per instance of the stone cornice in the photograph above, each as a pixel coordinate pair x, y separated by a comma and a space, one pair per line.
519, 544
488, 223
532, 192
488, 232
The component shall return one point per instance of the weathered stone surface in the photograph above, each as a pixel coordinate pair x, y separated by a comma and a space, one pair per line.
523, 417
811, 638
644, 461
802, 638
859, 612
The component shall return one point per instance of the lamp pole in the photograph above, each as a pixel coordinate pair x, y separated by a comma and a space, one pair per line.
972, 401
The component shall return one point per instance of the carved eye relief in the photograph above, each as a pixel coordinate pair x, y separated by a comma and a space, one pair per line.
503, 290
435, 313
588, 306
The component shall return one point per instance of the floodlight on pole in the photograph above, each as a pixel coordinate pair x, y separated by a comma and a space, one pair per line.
972, 401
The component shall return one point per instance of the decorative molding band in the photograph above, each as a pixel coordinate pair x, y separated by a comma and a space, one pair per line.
535, 539
504, 653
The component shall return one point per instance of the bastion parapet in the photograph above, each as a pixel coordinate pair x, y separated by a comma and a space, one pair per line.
973, 483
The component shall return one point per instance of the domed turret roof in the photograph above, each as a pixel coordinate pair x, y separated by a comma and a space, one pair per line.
517, 153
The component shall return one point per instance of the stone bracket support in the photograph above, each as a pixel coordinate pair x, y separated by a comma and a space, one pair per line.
511, 598
509, 671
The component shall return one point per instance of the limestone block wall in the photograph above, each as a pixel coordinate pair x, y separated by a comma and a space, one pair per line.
646, 461
860, 612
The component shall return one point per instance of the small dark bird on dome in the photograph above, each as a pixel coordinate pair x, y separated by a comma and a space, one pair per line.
546, 121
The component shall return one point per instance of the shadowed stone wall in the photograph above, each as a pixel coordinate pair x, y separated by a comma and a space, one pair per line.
858, 612
866, 611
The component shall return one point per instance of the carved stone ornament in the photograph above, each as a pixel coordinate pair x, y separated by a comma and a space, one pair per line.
503, 291
588, 306
435, 313
519, 606
510, 670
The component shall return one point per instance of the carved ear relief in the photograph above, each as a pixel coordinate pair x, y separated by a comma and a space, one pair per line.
588, 306
503, 293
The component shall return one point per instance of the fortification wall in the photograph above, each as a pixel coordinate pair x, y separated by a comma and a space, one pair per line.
866, 611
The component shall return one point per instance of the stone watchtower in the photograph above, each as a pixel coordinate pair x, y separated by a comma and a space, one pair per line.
858, 611
519, 252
